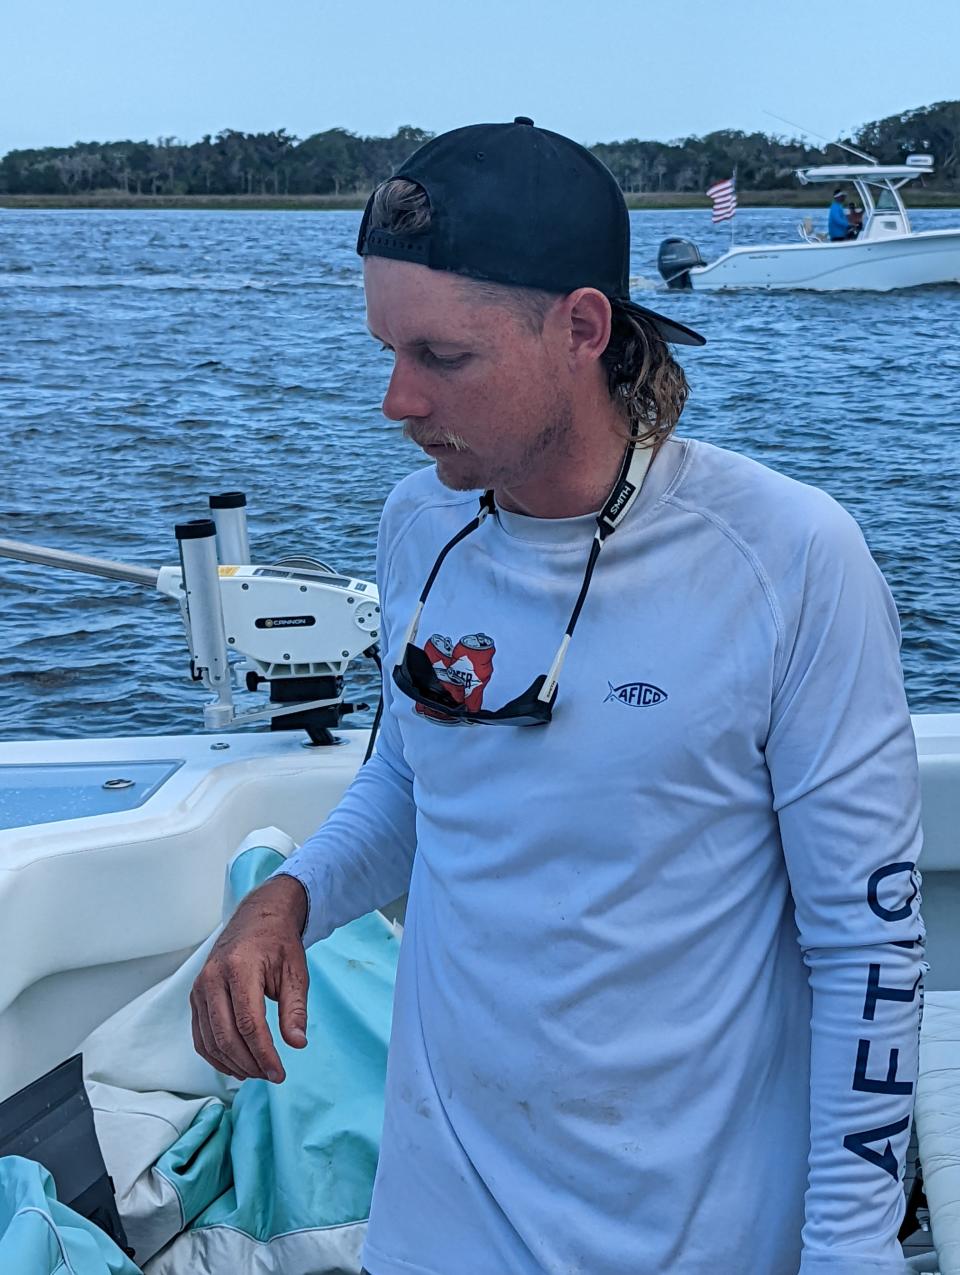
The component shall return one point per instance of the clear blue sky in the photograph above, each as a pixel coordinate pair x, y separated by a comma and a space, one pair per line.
597, 70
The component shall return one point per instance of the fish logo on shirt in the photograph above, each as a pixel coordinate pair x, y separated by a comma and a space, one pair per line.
636, 694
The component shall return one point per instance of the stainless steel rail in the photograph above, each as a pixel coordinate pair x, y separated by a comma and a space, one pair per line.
45, 557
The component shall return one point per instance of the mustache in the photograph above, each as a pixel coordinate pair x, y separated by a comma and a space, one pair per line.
434, 439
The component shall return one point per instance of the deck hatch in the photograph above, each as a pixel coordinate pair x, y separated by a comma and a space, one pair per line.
42, 793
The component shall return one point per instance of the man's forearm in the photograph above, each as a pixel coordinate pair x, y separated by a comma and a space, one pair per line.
361, 857
864, 1059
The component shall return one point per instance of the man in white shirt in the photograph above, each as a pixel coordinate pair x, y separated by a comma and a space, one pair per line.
646, 769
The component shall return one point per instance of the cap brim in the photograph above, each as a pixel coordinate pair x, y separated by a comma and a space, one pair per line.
669, 329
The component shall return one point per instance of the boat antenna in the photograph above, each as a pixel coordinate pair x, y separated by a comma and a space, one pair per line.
871, 159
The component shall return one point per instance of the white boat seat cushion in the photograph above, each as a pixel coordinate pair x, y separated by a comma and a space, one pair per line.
938, 1122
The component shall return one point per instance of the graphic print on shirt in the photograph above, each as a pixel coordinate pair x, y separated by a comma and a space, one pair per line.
636, 694
464, 669
859, 1141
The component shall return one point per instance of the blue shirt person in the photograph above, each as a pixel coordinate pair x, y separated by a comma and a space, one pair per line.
837, 223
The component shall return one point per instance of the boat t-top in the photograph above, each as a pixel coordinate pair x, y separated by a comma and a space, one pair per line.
887, 253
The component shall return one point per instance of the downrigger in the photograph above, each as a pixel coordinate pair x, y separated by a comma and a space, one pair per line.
293, 627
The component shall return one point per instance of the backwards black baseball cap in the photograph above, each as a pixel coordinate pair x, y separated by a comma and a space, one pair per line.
517, 204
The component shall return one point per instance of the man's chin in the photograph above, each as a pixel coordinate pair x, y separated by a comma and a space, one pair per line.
454, 472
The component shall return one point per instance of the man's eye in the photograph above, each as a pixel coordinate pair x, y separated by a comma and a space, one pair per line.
436, 360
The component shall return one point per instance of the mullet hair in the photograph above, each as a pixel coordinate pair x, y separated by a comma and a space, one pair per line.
643, 378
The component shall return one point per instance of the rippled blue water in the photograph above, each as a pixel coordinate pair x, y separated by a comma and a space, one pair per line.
149, 358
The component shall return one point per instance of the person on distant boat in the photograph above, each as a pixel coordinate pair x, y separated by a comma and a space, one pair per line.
854, 220
838, 226
645, 767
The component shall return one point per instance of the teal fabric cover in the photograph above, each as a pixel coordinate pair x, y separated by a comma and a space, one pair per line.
41, 1236
247, 1167
213, 1177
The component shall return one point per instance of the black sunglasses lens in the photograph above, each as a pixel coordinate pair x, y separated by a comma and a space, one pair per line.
416, 678
423, 678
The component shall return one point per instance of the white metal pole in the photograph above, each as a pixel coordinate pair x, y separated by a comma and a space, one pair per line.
208, 643
109, 570
230, 515
733, 219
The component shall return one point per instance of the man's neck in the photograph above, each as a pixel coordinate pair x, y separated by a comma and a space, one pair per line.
574, 483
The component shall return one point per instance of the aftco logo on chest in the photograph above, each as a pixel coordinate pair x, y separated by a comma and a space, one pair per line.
636, 694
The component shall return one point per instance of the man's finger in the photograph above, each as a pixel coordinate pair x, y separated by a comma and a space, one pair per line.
248, 1013
205, 1047
221, 1030
292, 998
199, 1044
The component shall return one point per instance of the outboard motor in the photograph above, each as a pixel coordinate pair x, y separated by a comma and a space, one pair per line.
674, 260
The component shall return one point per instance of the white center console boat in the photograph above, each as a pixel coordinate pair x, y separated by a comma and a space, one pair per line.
887, 253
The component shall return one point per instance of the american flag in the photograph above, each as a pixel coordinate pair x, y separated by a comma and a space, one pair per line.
724, 196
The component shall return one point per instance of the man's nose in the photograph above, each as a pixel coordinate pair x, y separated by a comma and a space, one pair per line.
404, 398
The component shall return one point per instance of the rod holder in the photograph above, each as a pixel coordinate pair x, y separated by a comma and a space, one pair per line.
229, 510
208, 645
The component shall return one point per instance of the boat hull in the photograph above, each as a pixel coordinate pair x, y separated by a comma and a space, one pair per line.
877, 265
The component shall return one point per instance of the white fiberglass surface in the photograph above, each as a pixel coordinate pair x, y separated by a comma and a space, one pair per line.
35, 794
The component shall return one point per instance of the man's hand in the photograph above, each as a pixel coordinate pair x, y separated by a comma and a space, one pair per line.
258, 954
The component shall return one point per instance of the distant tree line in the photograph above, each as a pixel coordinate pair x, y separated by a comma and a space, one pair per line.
340, 162
764, 162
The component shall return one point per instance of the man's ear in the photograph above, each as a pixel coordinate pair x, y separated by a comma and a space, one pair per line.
588, 314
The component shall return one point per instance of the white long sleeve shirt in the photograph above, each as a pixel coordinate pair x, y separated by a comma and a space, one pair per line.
658, 999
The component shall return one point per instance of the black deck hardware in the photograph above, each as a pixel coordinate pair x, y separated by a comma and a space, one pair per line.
50, 1121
